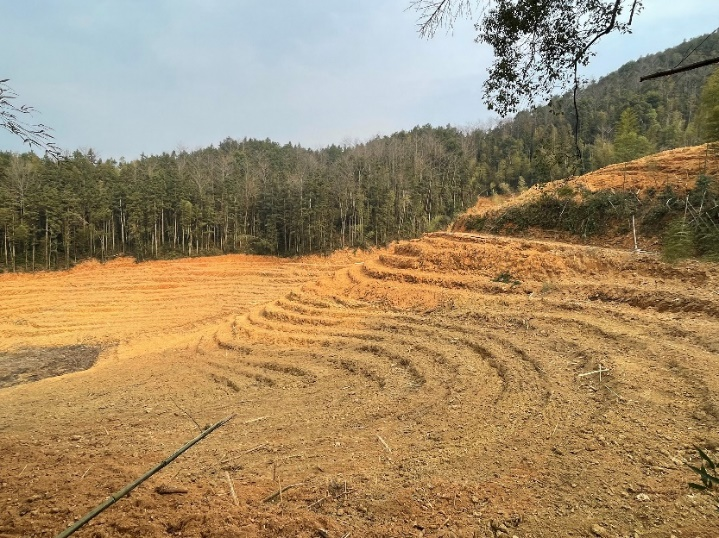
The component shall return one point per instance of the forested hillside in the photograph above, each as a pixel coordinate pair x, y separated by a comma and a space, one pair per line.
263, 197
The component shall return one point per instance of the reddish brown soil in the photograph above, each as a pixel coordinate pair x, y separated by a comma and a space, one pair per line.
405, 393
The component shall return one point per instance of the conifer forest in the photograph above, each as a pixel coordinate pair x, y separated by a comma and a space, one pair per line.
260, 196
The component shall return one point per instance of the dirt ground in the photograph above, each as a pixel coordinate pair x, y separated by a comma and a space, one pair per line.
440, 387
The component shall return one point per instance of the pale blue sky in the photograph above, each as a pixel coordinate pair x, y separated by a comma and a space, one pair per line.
131, 76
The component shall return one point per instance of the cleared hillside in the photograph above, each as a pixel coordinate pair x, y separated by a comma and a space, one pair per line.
653, 189
441, 387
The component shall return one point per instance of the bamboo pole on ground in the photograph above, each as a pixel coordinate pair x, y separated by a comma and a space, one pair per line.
112, 499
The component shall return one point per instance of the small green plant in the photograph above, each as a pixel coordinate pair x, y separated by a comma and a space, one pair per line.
565, 191
547, 287
439, 223
707, 473
506, 278
474, 223
678, 242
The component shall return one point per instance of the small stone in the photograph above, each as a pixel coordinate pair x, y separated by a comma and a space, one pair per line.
598, 530
642, 497
475, 499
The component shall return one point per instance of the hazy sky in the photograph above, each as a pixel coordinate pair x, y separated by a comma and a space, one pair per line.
131, 76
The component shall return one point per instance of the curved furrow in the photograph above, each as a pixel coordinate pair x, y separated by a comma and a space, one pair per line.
503, 373
398, 361
376, 271
399, 262
350, 366
255, 320
434, 351
660, 300
640, 325
312, 294
274, 312
293, 304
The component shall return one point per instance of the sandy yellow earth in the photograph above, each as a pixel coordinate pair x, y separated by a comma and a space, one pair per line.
440, 387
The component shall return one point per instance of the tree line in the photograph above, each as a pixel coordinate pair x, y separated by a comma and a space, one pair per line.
262, 197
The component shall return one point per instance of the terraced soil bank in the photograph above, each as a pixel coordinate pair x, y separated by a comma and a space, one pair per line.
440, 387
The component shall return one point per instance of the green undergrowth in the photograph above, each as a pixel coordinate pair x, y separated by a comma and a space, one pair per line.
686, 222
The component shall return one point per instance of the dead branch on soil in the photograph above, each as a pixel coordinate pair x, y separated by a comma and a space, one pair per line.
280, 492
330, 496
112, 499
163, 489
384, 443
252, 420
600, 372
186, 413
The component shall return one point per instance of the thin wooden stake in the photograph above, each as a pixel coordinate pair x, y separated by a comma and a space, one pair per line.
232, 488
634, 229
112, 499
85, 473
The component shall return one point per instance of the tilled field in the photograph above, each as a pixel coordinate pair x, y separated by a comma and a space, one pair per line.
457, 385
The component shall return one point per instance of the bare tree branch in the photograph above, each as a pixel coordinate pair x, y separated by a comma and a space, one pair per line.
436, 14
676, 70
12, 119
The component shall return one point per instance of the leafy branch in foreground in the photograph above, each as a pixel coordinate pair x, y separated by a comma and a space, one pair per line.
12, 119
539, 45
